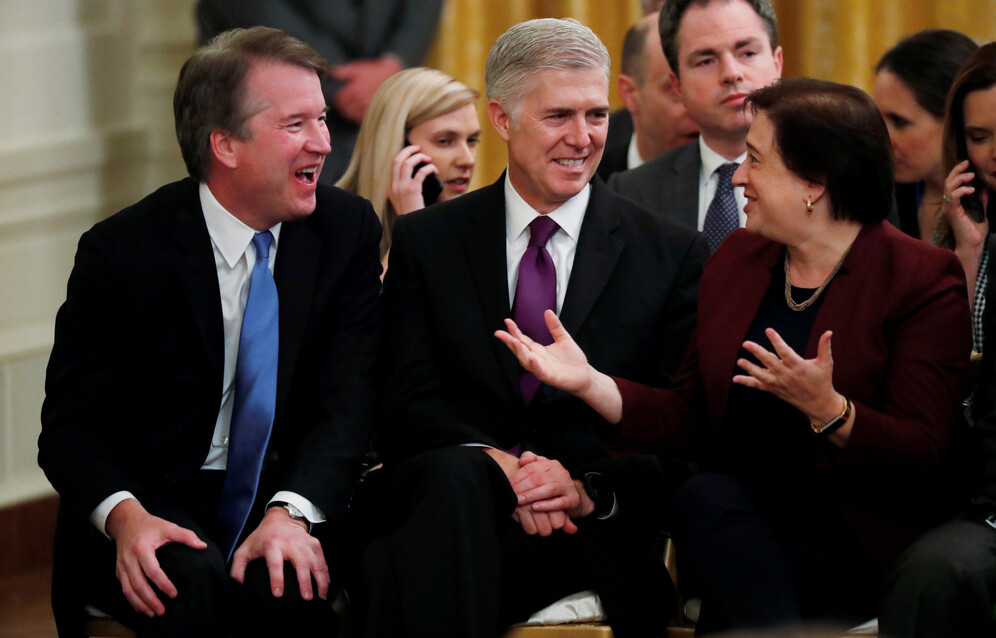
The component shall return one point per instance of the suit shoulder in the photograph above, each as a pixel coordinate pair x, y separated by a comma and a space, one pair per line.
151, 212
640, 218
653, 172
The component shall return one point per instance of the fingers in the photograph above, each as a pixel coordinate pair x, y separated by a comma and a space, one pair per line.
187, 537
782, 349
553, 324
320, 569
239, 562
136, 587
824, 356
155, 573
560, 503
275, 565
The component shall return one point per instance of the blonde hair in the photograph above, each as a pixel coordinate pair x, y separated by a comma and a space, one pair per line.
402, 102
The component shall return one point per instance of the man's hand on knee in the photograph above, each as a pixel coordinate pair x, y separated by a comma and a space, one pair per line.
138, 535
280, 538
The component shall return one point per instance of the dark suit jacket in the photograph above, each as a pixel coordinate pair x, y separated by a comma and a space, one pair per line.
668, 184
901, 339
135, 378
615, 155
630, 304
983, 435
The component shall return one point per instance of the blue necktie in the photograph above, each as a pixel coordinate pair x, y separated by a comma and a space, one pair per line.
255, 396
723, 217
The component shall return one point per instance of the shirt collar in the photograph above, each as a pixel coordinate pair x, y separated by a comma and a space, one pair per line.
518, 214
711, 160
633, 158
227, 231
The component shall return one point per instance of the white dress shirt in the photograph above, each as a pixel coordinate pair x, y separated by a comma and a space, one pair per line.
234, 258
633, 157
709, 181
561, 246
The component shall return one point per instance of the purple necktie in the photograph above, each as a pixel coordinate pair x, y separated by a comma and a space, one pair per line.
723, 217
535, 292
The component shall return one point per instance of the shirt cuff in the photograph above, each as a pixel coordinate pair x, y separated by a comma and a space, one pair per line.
312, 513
98, 517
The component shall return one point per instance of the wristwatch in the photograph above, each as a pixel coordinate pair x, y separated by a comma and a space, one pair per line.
292, 511
600, 493
835, 423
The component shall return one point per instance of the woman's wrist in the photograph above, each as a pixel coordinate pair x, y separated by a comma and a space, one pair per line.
828, 409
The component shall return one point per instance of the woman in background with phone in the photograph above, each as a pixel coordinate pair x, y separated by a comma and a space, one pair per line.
417, 145
970, 158
912, 81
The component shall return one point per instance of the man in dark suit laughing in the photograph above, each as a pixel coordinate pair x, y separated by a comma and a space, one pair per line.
209, 394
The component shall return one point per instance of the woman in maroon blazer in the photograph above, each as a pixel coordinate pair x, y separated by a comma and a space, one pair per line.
817, 466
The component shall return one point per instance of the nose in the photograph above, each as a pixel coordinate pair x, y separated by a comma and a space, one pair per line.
578, 133
740, 175
730, 69
467, 156
318, 140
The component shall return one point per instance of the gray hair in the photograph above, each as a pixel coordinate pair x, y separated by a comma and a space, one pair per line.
544, 43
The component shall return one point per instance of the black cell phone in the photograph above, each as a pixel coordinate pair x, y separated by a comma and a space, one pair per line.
973, 203
431, 186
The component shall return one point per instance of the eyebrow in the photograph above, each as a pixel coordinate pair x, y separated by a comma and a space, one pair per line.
752, 148
739, 44
299, 116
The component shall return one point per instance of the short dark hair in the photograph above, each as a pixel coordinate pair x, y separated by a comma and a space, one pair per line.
633, 61
977, 74
669, 23
832, 134
211, 94
927, 62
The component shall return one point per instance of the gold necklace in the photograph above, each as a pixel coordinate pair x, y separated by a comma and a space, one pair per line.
816, 295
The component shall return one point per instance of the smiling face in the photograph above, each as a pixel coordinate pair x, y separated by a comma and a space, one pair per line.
273, 175
451, 141
556, 138
724, 53
980, 134
776, 197
915, 133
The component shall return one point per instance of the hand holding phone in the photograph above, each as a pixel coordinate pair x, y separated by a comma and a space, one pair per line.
414, 184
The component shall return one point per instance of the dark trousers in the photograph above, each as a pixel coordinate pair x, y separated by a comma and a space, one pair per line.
208, 601
771, 566
944, 585
443, 557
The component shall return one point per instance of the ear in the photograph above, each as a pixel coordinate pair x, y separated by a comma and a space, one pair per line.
777, 54
675, 81
223, 148
815, 191
627, 91
500, 119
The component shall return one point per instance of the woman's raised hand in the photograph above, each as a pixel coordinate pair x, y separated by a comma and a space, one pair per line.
968, 233
561, 364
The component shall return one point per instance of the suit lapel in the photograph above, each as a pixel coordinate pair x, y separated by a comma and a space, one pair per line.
483, 236
595, 259
198, 276
295, 273
685, 195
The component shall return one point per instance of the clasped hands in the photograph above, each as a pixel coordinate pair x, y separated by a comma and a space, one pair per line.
138, 534
548, 498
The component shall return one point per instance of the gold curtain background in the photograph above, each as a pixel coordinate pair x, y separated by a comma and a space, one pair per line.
837, 40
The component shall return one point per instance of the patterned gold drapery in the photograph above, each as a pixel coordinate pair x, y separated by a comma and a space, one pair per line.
837, 40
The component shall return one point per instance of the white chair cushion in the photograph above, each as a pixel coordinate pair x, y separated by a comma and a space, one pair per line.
582, 607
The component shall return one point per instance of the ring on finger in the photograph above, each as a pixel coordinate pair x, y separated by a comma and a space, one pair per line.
946, 198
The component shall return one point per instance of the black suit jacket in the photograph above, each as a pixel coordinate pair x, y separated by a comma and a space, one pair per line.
616, 154
630, 304
668, 184
134, 382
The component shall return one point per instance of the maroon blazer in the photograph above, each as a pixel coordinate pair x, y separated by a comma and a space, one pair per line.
898, 309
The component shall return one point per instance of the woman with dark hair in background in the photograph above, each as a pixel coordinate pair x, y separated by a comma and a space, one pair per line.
815, 465
945, 585
911, 87
970, 159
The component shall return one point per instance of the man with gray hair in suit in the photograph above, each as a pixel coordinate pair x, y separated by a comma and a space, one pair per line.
496, 498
